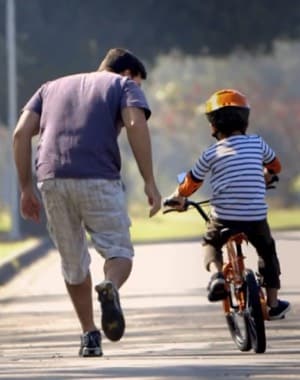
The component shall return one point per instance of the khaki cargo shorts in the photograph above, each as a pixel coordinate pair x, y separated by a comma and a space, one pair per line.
74, 206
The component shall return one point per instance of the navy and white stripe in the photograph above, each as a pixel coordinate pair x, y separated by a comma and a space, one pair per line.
237, 181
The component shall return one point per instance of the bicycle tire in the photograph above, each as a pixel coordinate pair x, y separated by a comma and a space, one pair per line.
237, 323
255, 318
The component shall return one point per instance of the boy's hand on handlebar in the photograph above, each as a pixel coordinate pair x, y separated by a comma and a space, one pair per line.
270, 177
175, 201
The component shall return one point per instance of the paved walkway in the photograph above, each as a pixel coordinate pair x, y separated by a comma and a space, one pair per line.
172, 331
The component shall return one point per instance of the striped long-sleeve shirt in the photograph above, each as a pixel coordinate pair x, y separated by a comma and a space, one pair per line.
237, 180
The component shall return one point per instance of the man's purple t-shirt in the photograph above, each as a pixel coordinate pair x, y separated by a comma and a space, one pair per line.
80, 122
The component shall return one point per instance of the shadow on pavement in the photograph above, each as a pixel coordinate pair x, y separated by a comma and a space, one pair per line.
232, 372
40, 340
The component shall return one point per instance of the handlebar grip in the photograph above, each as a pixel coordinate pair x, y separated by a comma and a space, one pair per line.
274, 179
170, 203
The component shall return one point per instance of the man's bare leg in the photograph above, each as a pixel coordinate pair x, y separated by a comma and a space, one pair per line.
81, 296
117, 270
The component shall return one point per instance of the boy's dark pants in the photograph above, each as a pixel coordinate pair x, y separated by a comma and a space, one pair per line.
259, 235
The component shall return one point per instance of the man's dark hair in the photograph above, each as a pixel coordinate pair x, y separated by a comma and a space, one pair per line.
118, 60
229, 119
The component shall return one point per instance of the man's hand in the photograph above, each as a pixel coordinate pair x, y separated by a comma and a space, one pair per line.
30, 205
154, 198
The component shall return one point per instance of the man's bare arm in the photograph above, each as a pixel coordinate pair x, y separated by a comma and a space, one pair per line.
140, 142
27, 127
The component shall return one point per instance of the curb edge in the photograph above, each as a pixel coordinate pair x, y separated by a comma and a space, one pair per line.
11, 268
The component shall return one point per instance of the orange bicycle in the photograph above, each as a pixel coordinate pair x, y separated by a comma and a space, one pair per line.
245, 306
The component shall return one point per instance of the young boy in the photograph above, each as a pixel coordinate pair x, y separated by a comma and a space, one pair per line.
240, 166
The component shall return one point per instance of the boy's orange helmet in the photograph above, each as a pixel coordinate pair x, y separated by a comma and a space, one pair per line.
226, 98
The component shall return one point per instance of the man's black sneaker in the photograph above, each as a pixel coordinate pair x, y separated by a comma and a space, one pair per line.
90, 344
113, 323
279, 311
216, 288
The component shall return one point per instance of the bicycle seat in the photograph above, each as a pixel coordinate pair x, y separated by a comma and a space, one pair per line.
236, 234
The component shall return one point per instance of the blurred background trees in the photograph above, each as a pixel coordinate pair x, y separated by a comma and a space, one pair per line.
191, 49
180, 84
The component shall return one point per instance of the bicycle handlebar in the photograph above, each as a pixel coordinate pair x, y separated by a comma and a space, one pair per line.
274, 179
197, 205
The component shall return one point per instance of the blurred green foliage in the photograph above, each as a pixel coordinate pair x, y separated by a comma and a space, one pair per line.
57, 37
177, 89
192, 48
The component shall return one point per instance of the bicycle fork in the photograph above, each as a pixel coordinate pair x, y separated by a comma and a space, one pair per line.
233, 274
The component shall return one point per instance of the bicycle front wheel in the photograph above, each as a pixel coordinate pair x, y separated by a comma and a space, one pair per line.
237, 322
238, 327
255, 318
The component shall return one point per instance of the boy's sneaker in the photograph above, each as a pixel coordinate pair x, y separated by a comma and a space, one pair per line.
216, 288
90, 344
113, 323
279, 311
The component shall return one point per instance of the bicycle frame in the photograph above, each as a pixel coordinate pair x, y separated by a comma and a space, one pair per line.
234, 270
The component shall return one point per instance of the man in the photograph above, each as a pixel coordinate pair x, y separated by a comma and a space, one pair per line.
78, 119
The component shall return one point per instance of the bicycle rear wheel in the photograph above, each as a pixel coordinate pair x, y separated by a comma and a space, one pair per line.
255, 318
